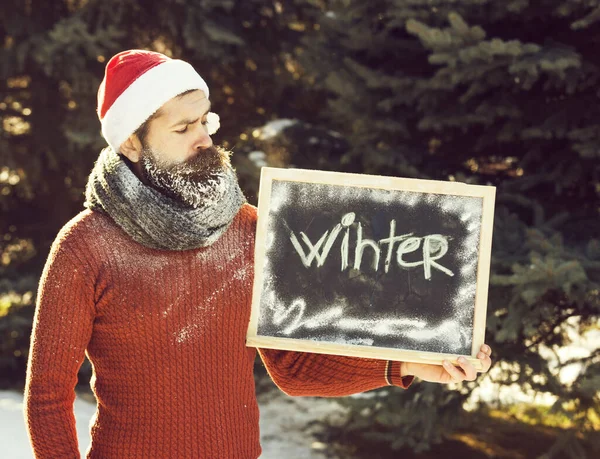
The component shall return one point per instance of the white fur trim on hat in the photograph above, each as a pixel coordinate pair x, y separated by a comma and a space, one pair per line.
146, 95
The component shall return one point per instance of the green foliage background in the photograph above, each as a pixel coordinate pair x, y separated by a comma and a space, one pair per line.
480, 91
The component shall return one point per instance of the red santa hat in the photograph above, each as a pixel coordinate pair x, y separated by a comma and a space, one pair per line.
137, 83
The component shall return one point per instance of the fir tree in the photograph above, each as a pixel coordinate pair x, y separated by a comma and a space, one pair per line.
485, 92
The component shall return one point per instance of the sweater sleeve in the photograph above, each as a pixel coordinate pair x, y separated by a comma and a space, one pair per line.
62, 327
324, 375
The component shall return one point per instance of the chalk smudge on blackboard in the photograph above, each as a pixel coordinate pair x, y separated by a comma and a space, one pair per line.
292, 312
293, 316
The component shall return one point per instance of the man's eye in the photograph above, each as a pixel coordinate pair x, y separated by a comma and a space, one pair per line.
182, 131
204, 123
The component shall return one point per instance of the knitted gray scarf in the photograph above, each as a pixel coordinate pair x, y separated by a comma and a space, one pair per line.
153, 218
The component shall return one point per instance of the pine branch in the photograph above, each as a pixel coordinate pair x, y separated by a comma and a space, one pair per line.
588, 20
559, 321
594, 357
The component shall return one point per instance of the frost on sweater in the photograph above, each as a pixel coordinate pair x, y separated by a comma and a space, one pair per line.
165, 333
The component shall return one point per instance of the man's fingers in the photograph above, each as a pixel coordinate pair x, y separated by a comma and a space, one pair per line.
454, 372
486, 361
469, 369
469, 373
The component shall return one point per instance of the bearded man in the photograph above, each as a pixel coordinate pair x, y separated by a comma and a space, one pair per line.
153, 281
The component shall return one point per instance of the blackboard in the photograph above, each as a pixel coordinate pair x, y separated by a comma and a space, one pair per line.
371, 266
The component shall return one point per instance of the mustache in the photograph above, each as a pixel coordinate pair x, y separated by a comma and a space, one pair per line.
206, 163
211, 158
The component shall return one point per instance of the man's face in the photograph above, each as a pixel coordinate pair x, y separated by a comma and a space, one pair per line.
178, 156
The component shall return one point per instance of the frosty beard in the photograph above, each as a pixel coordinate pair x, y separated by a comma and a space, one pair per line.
196, 182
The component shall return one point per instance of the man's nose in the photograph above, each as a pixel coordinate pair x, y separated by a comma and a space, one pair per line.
203, 141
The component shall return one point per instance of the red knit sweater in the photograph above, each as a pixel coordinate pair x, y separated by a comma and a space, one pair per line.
165, 333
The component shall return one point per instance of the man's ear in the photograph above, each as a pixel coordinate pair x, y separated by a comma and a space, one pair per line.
132, 148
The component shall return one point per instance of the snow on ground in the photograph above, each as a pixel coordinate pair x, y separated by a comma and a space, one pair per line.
283, 425
13, 436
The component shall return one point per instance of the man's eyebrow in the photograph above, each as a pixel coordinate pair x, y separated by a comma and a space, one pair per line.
188, 120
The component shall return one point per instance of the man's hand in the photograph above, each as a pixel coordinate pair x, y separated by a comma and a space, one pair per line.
448, 373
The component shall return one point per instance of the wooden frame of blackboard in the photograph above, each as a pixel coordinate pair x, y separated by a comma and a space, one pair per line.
487, 193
